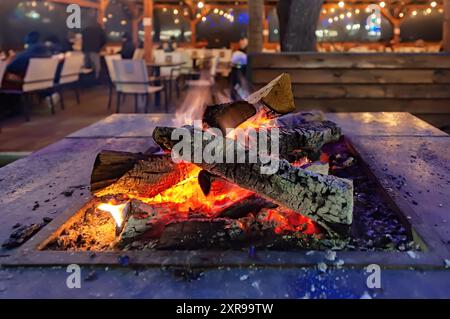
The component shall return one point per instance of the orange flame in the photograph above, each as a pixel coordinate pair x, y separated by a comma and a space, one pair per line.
189, 197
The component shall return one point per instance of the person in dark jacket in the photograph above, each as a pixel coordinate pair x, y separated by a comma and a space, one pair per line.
33, 49
128, 47
94, 39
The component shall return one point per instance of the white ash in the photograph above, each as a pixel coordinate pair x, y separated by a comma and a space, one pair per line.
322, 267
411, 254
330, 255
243, 277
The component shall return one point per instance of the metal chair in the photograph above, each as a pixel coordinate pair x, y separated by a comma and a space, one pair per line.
40, 77
70, 75
109, 59
132, 79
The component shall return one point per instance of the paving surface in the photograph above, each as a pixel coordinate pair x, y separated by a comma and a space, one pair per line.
46, 176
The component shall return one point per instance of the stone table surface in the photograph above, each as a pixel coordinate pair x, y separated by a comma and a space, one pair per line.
50, 180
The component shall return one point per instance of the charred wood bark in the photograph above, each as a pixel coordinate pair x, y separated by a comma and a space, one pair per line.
252, 204
201, 233
138, 175
326, 199
308, 137
229, 115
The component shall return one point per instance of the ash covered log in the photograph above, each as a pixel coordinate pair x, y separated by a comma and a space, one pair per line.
326, 199
140, 175
201, 233
308, 137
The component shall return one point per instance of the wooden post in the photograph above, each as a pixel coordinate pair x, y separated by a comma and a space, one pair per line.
193, 32
266, 29
148, 28
446, 33
101, 11
255, 26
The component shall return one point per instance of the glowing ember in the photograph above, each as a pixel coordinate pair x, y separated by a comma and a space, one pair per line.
118, 212
285, 220
189, 197
262, 119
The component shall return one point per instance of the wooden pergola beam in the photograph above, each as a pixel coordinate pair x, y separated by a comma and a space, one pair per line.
446, 26
148, 29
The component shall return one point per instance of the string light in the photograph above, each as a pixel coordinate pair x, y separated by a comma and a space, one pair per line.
200, 5
341, 4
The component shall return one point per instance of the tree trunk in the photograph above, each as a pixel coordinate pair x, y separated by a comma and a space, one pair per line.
255, 26
298, 21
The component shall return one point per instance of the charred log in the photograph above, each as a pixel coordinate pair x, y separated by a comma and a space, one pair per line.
205, 233
326, 199
251, 204
308, 137
229, 115
137, 175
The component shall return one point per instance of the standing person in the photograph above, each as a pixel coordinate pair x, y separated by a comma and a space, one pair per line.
128, 47
94, 39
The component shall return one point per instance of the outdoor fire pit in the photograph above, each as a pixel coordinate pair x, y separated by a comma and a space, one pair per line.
321, 197
185, 218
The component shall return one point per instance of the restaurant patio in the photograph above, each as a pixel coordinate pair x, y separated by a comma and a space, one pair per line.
355, 93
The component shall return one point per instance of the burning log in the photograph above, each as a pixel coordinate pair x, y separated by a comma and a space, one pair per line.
137, 175
272, 100
252, 204
277, 95
192, 234
229, 115
326, 199
308, 137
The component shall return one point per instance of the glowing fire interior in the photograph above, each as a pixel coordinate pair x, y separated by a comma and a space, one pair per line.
187, 197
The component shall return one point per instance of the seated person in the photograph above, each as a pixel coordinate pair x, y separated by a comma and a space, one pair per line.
128, 47
17, 68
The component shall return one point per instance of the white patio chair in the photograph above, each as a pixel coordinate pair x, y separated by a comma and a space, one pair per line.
138, 54
132, 78
170, 74
112, 74
40, 77
3, 65
70, 75
224, 64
